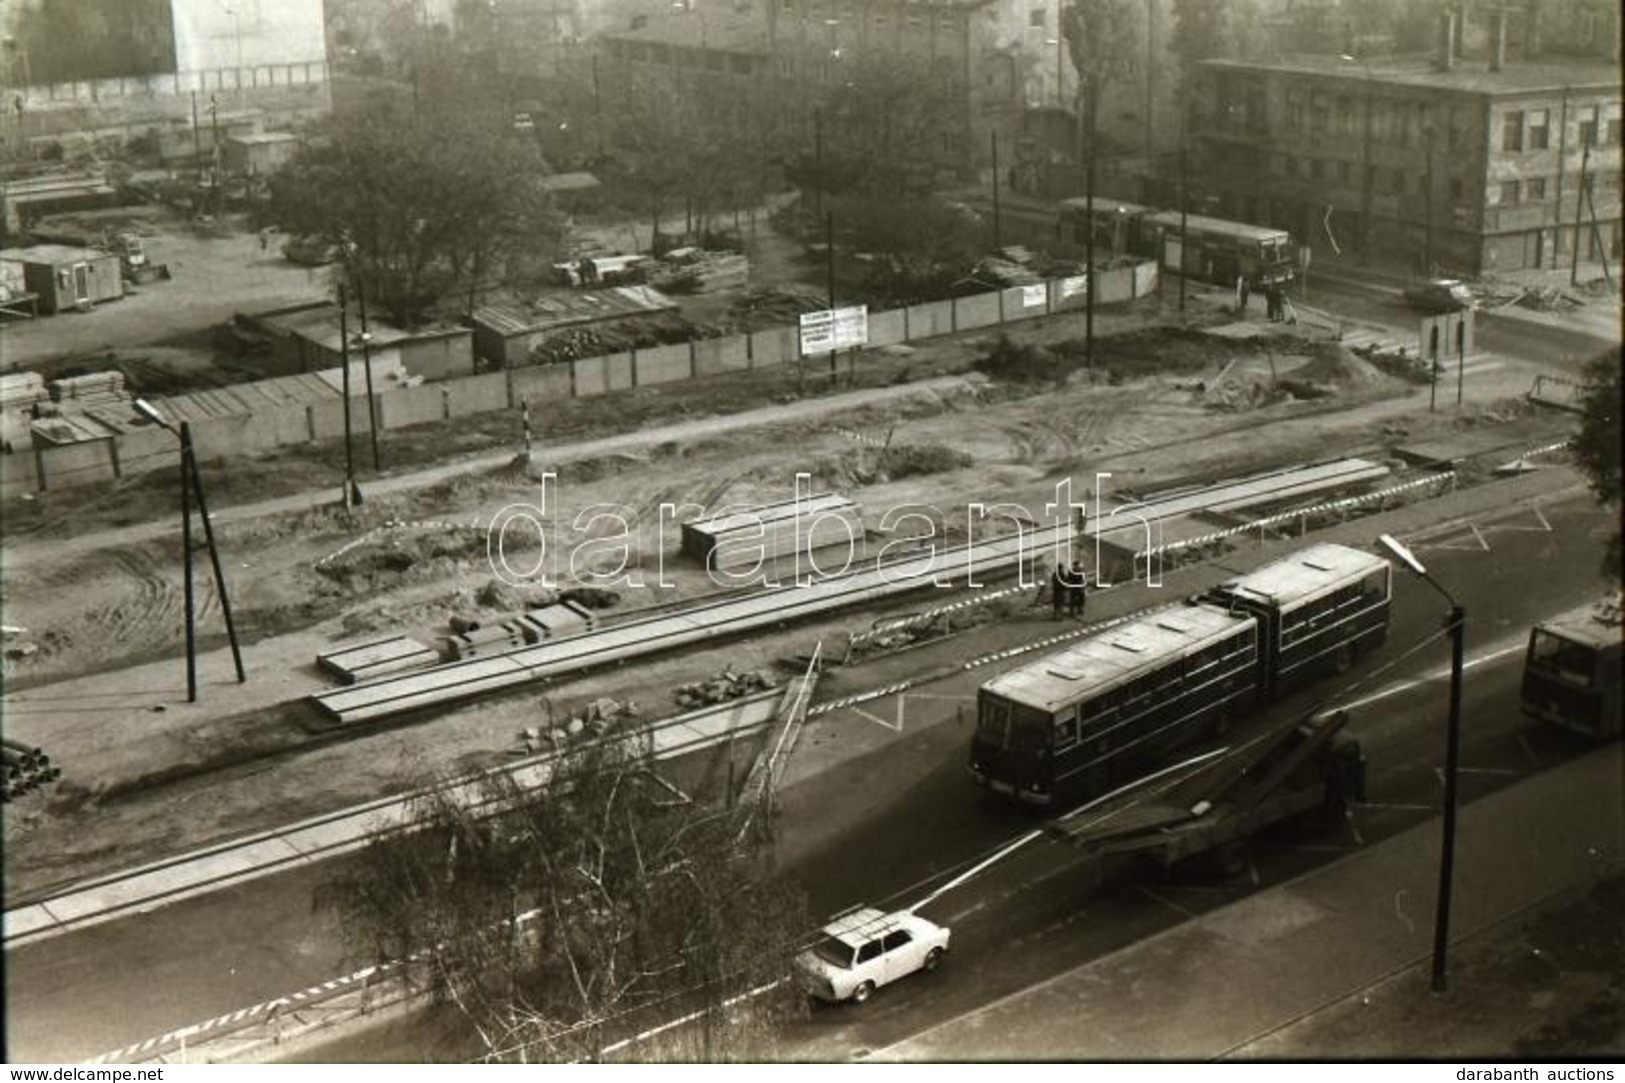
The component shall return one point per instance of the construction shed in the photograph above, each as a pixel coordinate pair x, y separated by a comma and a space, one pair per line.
746, 536
307, 338
67, 278
506, 333
258, 153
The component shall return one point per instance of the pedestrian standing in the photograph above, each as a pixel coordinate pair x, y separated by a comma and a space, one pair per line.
1077, 596
1058, 589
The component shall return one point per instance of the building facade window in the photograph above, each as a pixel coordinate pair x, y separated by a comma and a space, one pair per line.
1038, 18
1509, 193
1512, 132
1534, 188
1588, 126
1539, 128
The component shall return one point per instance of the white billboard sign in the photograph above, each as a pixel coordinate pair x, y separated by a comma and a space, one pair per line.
834, 329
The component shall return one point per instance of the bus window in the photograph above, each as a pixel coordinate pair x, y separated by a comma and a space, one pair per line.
1066, 728
993, 722
1375, 585
1572, 663
1030, 730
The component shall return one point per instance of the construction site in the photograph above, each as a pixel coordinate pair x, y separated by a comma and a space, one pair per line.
543, 568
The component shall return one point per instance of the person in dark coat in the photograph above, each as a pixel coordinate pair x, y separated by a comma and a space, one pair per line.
1059, 589
1078, 590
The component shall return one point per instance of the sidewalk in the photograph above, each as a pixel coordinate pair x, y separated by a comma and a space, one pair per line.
1266, 977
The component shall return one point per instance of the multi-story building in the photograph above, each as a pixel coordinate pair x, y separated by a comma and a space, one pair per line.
1474, 165
78, 67
985, 61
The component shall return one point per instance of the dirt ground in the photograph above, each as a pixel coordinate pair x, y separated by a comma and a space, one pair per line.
218, 268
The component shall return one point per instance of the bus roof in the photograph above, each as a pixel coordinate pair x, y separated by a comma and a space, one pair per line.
1114, 656
1596, 624
1102, 203
1219, 227
1305, 575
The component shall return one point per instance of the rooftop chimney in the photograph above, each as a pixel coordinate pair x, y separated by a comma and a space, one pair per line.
1446, 58
1498, 47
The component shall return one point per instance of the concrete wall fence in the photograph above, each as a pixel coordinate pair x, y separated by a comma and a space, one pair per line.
46, 466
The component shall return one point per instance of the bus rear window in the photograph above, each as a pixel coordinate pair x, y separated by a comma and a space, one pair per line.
1570, 662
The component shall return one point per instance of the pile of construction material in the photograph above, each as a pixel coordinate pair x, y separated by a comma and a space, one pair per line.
27, 769
594, 720
364, 661
91, 390
21, 391
723, 687
693, 270
751, 535
473, 639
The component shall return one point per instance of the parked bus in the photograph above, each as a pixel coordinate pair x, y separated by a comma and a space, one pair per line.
1216, 250
1077, 722
1116, 225
1571, 671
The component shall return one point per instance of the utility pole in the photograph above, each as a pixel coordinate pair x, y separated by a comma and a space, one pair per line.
818, 158
366, 367
344, 359
197, 138
186, 548
1427, 181
996, 240
597, 107
1090, 81
1184, 203
1579, 206
829, 268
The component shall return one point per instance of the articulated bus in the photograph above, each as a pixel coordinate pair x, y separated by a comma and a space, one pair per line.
1210, 249
1080, 721
1571, 671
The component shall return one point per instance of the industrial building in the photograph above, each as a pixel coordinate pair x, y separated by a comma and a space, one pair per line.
1505, 159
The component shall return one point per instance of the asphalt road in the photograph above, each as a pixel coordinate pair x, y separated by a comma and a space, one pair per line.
1566, 348
104, 987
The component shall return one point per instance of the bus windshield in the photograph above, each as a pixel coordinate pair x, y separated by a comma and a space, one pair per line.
1011, 726
1570, 662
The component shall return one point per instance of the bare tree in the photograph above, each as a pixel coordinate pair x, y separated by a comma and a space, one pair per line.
559, 920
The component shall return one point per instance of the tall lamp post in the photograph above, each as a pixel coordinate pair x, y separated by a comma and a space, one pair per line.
192, 486
1457, 625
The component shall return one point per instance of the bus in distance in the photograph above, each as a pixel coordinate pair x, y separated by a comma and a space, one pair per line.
1571, 672
1098, 713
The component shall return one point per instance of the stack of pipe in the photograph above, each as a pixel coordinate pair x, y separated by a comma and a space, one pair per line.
26, 768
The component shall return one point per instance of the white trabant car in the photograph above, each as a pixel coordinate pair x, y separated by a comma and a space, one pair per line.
866, 948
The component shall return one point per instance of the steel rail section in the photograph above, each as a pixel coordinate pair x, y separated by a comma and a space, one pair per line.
332, 834
386, 696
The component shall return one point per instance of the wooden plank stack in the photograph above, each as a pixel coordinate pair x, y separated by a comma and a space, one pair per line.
96, 389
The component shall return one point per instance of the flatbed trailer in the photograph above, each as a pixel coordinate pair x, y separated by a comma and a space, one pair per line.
1309, 770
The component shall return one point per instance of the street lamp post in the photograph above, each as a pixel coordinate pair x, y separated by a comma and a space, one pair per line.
192, 486
1457, 625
